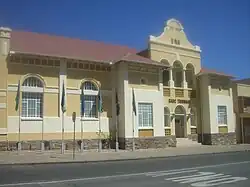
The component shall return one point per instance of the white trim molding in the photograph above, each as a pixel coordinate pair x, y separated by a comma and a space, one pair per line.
3, 94
51, 90
3, 131
13, 88
3, 105
196, 48
172, 52
78, 92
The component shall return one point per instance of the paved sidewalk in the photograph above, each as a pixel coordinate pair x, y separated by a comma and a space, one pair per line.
36, 157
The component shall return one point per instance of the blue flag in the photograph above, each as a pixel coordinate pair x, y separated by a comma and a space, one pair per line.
100, 109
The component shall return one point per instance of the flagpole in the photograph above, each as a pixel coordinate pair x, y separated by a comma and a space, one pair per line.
81, 134
133, 118
62, 148
133, 131
63, 107
116, 135
42, 143
82, 115
19, 145
116, 122
100, 142
99, 115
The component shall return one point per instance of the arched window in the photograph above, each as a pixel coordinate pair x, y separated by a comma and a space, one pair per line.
165, 73
190, 75
166, 117
89, 99
32, 98
177, 73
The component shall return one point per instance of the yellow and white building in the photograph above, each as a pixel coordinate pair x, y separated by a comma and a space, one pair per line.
175, 97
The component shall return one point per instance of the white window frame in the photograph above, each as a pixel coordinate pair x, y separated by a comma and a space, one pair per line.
32, 91
169, 118
92, 93
222, 114
149, 115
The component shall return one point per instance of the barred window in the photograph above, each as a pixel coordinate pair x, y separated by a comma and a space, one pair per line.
32, 105
88, 85
145, 113
166, 117
222, 115
89, 100
32, 98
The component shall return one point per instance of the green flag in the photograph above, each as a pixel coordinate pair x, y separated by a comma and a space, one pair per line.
17, 96
100, 107
133, 102
63, 104
117, 105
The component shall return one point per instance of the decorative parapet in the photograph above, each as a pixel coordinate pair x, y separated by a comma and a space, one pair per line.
5, 32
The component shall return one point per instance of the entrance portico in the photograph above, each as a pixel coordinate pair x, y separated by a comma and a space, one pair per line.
180, 122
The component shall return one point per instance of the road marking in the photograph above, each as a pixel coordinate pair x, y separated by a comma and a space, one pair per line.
160, 174
204, 179
122, 175
217, 182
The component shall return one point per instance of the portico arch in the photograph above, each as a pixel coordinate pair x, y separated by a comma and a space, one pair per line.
180, 121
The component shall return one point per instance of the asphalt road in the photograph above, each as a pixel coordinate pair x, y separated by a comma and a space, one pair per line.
223, 170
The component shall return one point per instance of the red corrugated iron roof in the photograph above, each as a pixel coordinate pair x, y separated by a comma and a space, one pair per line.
243, 81
58, 46
215, 72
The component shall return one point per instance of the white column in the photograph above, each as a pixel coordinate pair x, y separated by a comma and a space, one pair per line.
184, 82
160, 79
171, 81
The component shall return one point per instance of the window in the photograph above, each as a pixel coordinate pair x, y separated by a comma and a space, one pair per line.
90, 99
166, 117
145, 113
32, 98
32, 105
222, 115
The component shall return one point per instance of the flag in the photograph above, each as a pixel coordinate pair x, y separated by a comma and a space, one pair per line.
117, 105
17, 96
82, 103
133, 102
100, 108
63, 106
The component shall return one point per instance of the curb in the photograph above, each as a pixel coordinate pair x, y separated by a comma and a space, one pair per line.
122, 159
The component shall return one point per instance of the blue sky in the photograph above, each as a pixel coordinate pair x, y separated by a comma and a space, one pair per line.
220, 27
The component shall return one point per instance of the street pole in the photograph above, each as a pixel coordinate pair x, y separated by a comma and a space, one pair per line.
133, 126
74, 137
74, 141
82, 146
100, 141
116, 135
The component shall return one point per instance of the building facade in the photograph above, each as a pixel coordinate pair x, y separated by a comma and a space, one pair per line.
242, 109
174, 96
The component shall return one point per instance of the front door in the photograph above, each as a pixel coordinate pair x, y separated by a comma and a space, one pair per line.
179, 127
